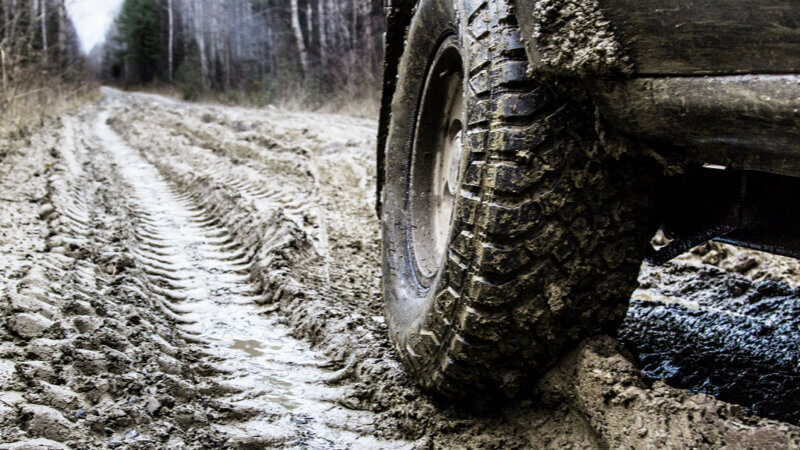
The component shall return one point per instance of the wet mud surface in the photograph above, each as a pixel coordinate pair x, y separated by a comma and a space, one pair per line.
719, 333
199, 276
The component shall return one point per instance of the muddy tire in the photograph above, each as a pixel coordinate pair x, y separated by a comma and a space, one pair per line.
546, 231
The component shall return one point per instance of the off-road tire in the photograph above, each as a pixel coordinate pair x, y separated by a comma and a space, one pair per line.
549, 228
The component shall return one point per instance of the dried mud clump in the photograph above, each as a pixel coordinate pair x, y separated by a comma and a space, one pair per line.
574, 38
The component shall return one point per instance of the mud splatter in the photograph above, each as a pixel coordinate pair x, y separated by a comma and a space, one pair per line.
574, 38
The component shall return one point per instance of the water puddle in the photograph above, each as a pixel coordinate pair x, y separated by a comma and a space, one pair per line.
198, 269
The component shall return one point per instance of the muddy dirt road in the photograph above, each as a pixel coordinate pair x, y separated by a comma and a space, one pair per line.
199, 276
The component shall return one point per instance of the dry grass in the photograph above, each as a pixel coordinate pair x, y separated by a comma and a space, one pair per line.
28, 99
165, 89
356, 101
351, 101
356, 105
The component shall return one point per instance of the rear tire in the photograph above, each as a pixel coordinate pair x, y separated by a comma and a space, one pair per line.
548, 229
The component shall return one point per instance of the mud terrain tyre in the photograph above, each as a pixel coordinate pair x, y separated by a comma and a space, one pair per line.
546, 230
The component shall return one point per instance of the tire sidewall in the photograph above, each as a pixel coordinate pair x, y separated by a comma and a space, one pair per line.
407, 302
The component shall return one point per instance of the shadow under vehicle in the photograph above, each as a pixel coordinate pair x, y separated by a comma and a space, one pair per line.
529, 150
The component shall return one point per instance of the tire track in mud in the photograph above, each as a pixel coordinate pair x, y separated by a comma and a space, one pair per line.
81, 346
194, 264
719, 333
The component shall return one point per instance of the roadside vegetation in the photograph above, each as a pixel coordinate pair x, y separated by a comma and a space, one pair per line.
41, 68
318, 54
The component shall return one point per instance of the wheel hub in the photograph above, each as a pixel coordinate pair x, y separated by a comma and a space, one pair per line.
436, 161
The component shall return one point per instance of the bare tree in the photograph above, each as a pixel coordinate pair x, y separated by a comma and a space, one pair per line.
201, 41
43, 20
323, 33
171, 44
298, 36
62, 31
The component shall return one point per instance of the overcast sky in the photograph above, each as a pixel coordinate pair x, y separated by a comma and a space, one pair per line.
92, 18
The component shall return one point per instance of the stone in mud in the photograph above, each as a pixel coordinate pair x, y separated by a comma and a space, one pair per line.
78, 308
46, 210
95, 390
187, 417
132, 434
44, 421
117, 362
152, 406
116, 418
28, 325
177, 387
170, 365
110, 334
744, 264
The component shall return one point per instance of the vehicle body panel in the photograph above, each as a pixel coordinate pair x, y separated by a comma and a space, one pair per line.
749, 122
646, 61
678, 37
682, 37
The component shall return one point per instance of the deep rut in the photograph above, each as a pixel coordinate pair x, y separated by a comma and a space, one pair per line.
201, 274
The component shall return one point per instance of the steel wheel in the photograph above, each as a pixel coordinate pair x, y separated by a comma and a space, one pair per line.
435, 161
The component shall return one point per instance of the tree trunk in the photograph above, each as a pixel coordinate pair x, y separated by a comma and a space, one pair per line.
270, 47
310, 25
369, 51
62, 33
323, 32
3, 68
298, 35
171, 42
6, 22
43, 9
201, 42
32, 25
14, 39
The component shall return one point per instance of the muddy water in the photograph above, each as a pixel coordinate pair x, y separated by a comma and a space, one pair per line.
203, 276
719, 333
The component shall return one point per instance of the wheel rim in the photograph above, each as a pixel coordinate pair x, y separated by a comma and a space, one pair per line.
435, 160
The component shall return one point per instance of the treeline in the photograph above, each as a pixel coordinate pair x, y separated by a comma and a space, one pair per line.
40, 59
312, 50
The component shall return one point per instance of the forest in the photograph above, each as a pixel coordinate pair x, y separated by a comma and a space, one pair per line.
41, 66
302, 53
308, 52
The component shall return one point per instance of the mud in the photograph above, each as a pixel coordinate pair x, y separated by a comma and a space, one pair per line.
198, 276
720, 333
574, 38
